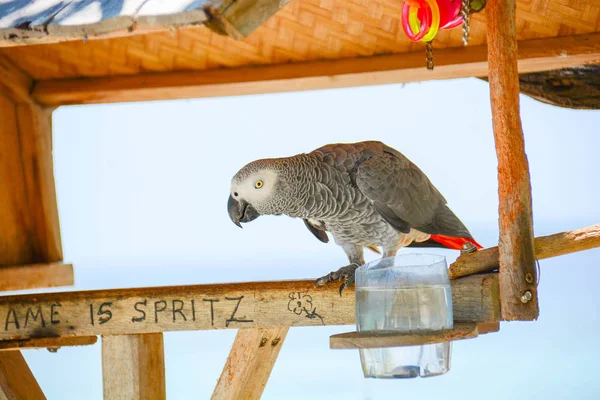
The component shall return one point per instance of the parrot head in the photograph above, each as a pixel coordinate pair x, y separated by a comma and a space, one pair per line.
255, 191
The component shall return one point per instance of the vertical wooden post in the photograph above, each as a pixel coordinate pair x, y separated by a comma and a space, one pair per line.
518, 289
29, 231
28, 207
133, 367
250, 362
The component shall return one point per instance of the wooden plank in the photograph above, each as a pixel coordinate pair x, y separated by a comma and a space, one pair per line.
47, 343
28, 208
250, 362
33, 276
35, 131
54, 21
91, 17
173, 13
555, 245
240, 18
207, 307
356, 340
514, 186
133, 367
15, 83
488, 327
16, 380
534, 55
27, 19
26, 237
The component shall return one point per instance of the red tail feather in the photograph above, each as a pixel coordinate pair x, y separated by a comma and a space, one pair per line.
454, 242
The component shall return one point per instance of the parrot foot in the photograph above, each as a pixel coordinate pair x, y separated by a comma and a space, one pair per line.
345, 274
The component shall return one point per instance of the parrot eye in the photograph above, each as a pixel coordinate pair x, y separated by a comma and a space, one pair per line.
258, 184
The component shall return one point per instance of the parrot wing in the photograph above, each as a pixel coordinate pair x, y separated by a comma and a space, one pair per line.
405, 197
319, 233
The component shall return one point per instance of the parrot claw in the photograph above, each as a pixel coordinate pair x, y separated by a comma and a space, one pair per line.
345, 274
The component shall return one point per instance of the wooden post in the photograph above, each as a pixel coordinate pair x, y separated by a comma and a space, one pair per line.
518, 289
28, 208
133, 367
29, 231
250, 362
16, 380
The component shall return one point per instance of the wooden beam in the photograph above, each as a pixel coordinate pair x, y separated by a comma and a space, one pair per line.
555, 245
356, 340
250, 362
133, 367
28, 208
23, 277
16, 380
47, 343
14, 82
518, 296
240, 18
204, 307
534, 55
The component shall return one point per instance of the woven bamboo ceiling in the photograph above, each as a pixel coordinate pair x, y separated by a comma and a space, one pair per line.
302, 30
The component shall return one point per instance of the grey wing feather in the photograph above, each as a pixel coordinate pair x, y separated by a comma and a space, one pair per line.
319, 234
405, 197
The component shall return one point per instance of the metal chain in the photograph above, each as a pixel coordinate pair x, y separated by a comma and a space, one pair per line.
466, 15
429, 54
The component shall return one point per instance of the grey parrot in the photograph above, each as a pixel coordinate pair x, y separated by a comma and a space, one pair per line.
365, 194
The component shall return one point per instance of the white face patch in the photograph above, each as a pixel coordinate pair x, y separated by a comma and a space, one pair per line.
256, 188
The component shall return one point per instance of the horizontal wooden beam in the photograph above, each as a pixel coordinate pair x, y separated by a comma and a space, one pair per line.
356, 340
207, 307
545, 247
534, 55
22, 277
47, 343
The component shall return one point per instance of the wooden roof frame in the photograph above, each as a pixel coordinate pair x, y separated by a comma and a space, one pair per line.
133, 354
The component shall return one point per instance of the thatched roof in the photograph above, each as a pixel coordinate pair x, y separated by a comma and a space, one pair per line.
58, 39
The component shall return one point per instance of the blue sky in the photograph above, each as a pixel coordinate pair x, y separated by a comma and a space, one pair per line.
142, 191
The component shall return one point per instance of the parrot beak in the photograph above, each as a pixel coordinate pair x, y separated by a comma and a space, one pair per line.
241, 211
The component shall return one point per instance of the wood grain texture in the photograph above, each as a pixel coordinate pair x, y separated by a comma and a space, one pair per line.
535, 55
514, 186
207, 307
172, 13
356, 340
28, 208
45, 343
555, 245
133, 367
26, 237
33, 276
240, 18
15, 83
16, 380
250, 362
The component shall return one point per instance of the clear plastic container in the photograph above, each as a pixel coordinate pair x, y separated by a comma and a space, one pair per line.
406, 293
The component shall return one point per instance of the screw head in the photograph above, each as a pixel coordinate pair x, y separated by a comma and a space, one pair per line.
526, 297
529, 277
